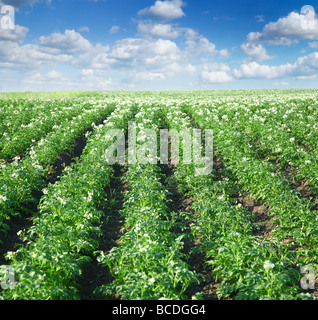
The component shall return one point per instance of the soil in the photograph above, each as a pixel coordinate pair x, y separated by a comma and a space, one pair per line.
94, 275
301, 185
182, 203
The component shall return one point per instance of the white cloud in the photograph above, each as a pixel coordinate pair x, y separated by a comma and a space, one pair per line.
312, 77
199, 46
306, 66
54, 74
151, 56
295, 25
17, 34
158, 30
164, 10
254, 70
95, 58
259, 18
145, 51
150, 76
256, 51
114, 29
28, 57
83, 29
51, 75
216, 73
254, 48
70, 42
285, 31
313, 45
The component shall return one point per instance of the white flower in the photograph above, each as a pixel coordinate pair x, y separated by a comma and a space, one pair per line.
268, 265
10, 255
88, 215
307, 162
90, 196
292, 139
3, 198
152, 280
63, 201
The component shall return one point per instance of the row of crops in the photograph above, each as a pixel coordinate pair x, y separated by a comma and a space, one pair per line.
264, 144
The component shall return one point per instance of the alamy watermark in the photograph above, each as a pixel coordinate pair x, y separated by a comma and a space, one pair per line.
7, 17
309, 21
7, 277
143, 147
307, 282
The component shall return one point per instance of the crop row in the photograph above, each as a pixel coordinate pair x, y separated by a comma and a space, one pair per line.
51, 118
19, 178
273, 132
20, 112
246, 266
293, 214
148, 262
65, 232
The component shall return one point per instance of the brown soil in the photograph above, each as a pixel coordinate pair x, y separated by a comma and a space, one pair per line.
94, 275
263, 222
180, 203
261, 217
301, 185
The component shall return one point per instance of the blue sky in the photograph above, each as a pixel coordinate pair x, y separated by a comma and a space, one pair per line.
159, 45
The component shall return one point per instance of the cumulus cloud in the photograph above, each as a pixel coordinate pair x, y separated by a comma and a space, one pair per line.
306, 66
71, 41
28, 56
114, 29
199, 46
296, 25
254, 47
158, 30
149, 76
285, 31
51, 75
17, 34
152, 55
164, 10
255, 70
216, 73
23, 57
145, 51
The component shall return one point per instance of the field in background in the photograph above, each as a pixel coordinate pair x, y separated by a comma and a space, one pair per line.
72, 226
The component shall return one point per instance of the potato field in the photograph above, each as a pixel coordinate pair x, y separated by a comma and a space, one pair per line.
76, 226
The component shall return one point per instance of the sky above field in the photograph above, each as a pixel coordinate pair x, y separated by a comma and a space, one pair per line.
59, 45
